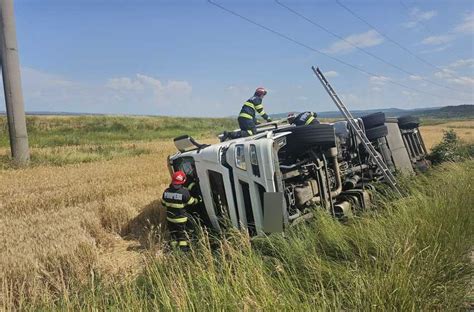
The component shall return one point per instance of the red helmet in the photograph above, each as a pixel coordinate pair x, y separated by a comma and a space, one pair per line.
260, 91
178, 178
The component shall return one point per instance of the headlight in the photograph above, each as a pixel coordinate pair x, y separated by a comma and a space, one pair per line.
240, 157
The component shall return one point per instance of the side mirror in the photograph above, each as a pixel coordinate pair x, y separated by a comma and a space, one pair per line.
186, 143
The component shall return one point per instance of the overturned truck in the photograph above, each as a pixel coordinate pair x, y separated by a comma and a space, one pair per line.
268, 181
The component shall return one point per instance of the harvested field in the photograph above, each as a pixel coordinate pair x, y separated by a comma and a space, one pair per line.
62, 221
432, 134
53, 216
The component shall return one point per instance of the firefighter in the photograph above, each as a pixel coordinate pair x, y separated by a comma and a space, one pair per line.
247, 117
303, 119
176, 198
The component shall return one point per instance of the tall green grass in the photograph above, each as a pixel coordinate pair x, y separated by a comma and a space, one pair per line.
51, 131
408, 254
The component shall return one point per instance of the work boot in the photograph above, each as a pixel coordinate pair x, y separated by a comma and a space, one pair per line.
184, 246
225, 136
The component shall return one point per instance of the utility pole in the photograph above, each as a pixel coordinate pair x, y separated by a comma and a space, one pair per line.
12, 85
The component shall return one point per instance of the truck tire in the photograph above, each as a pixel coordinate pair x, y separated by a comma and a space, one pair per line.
377, 132
373, 120
304, 137
408, 122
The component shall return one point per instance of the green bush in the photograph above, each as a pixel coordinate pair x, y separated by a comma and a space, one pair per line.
451, 148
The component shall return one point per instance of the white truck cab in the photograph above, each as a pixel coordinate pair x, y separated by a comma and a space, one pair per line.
265, 182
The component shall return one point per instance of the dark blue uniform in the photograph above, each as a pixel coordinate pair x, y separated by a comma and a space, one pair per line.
176, 198
247, 117
306, 118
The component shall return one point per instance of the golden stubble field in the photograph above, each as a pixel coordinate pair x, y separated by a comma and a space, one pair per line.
64, 223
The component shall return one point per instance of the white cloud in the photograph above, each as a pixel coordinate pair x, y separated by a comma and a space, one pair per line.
437, 49
143, 82
376, 89
415, 77
302, 98
351, 99
137, 94
416, 16
379, 80
450, 75
467, 26
368, 39
463, 81
462, 63
437, 40
124, 83
445, 73
331, 74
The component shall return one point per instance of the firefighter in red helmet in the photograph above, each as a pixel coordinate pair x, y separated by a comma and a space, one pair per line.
176, 198
247, 117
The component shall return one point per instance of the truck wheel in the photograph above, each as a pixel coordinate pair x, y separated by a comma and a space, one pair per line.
373, 120
376, 133
308, 136
408, 122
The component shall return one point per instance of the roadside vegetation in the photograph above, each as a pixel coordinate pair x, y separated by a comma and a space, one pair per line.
52, 131
408, 254
80, 233
451, 149
63, 140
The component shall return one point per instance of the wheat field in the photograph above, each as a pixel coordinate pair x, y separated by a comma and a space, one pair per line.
432, 134
60, 223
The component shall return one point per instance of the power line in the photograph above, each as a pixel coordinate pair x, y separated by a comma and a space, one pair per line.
419, 21
393, 41
368, 73
364, 50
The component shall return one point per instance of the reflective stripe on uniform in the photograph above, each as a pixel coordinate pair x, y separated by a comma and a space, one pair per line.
259, 106
191, 185
250, 132
245, 115
251, 105
183, 243
310, 120
177, 220
172, 205
191, 201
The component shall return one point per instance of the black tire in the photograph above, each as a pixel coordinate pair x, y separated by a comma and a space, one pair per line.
304, 137
376, 133
373, 120
408, 122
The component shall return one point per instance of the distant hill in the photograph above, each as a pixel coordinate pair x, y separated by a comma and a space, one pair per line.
459, 111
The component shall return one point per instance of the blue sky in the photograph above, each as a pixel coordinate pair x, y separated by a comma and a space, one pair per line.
191, 58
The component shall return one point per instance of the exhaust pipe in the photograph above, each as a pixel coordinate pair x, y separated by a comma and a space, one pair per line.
343, 209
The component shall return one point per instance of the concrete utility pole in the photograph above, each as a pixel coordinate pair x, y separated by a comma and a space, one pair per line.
12, 85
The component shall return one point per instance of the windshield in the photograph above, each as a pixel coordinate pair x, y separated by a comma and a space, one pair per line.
185, 164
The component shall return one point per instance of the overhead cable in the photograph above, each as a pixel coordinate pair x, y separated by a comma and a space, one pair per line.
399, 68
395, 42
366, 72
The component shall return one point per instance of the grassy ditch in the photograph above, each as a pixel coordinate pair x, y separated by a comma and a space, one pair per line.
408, 254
